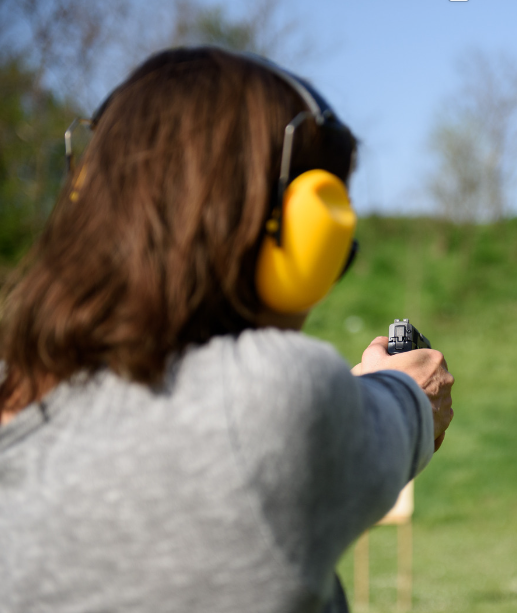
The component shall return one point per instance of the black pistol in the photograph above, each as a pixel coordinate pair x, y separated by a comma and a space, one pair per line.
405, 337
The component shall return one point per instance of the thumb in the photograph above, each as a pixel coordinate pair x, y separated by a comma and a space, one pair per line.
379, 342
357, 370
375, 355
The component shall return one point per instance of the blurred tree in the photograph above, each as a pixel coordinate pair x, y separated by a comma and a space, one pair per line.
31, 157
63, 41
47, 47
259, 31
85, 48
57, 56
474, 142
195, 25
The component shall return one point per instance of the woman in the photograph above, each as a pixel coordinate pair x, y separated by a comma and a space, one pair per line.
168, 441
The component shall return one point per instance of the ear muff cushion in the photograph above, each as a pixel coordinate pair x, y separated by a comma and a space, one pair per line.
318, 227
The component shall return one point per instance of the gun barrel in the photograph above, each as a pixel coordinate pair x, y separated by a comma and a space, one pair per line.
403, 336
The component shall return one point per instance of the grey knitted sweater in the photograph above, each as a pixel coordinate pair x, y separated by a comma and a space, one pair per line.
232, 488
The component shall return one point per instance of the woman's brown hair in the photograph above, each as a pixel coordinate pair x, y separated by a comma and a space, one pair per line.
153, 242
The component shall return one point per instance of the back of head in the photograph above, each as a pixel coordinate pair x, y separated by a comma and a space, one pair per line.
154, 240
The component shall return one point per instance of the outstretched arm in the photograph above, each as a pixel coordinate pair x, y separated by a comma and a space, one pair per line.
427, 367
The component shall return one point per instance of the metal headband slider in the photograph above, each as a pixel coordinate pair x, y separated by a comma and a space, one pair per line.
78, 121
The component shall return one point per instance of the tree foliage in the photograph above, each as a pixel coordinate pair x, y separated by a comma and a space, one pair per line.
258, 31
57, 56
474, 142
62, 41
31, 157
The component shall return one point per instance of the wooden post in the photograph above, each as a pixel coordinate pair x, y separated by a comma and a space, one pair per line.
405, 561
361, 574
400, 516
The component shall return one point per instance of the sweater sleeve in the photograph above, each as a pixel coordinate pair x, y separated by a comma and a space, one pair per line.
325, 454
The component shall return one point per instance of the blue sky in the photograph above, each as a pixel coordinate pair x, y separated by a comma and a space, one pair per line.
388, 67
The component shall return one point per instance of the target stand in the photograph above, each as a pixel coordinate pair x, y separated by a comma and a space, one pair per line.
400, 516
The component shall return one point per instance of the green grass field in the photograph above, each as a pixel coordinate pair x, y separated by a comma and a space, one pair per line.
457, 284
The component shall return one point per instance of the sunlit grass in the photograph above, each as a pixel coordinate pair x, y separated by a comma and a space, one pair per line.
458, 286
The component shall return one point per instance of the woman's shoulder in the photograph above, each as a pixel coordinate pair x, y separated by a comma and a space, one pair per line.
267, 353
277, 346
269, 365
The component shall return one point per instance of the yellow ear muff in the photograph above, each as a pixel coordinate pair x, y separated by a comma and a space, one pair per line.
318, 226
